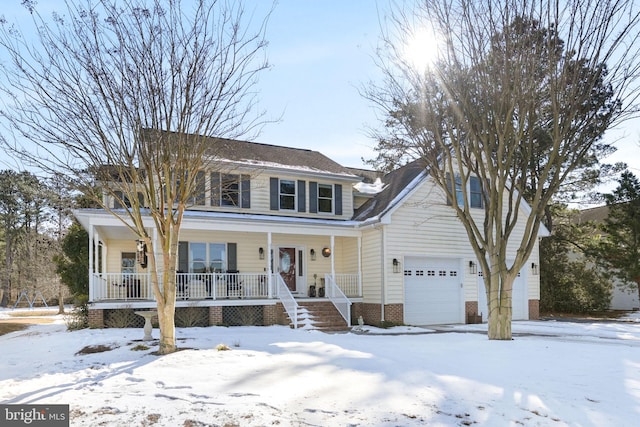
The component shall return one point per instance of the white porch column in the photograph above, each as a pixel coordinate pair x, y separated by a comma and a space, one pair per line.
359, 266
91, 261
268, 269
333, 253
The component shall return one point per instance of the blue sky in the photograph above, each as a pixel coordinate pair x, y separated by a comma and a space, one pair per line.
321, 52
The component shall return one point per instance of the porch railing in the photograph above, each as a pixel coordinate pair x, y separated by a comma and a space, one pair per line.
288, 301
213, 286
338, 298
122, 286
349, 284
189, 286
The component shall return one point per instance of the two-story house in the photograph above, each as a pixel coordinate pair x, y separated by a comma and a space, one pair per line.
286, 227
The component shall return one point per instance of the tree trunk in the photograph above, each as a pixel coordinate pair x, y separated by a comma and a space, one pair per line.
165, 297
60, 299
499, 306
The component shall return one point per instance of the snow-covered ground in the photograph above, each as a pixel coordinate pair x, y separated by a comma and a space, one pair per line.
551, 374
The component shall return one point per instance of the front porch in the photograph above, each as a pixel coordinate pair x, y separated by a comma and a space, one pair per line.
126, 288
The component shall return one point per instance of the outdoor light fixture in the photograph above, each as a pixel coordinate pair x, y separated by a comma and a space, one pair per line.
326, 252
261, 253
473, 267
141, 253
313, 254
396, 265
534, 268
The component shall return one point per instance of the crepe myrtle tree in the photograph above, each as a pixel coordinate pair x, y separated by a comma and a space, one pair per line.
517, 94
116, 94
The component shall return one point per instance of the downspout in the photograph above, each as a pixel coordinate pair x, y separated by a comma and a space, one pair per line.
360, 266
268, 268
383, 257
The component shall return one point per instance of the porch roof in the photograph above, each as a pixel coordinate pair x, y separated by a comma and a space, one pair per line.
111, 227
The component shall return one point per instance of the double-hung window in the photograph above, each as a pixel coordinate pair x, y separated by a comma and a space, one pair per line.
325, 198
287, 195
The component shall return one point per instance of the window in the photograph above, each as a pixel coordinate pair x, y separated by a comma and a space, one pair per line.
128, 263
287, 195
228, 189
325, 198
120, 197
474, 191
207, 257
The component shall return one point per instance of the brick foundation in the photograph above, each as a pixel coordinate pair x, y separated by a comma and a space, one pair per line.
96, 318
270, 315
215, 316
471, 312
372, 316
534, 309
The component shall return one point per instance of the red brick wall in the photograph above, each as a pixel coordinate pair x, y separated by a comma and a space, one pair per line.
96, 318
372, 316
270, 315
215, 316
534, 309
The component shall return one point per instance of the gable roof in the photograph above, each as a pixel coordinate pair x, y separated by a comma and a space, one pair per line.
397, 184
270, 156
267, 155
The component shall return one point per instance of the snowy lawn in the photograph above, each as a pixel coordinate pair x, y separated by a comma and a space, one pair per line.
554, 373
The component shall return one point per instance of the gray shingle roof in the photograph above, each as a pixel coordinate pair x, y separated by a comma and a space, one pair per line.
396, 182
266, 155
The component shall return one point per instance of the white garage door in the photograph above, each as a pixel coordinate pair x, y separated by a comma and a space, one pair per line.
432, 291
519, 300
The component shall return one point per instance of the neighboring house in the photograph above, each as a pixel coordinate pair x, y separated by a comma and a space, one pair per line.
287, 224
624, 296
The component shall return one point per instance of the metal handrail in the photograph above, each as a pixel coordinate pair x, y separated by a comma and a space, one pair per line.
287, 299
338, 298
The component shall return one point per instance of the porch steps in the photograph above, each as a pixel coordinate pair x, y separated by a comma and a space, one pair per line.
320, 315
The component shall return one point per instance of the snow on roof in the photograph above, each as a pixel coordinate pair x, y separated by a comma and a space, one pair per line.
370, 188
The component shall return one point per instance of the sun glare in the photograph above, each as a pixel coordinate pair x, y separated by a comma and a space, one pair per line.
421, 51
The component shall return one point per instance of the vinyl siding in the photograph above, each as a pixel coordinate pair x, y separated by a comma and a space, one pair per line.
425, 226
261, 197
371, 267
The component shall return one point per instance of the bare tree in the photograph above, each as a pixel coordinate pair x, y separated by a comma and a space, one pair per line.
519, 94
116, 94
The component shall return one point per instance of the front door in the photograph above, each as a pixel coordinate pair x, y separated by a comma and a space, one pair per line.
287, 266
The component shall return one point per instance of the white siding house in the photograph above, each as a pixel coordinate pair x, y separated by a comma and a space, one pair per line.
303, 228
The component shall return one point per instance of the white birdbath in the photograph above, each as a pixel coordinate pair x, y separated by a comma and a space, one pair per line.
147, 323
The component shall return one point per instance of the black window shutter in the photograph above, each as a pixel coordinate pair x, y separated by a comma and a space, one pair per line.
338, 195
200, 188
232, 258
246, 191
183, 257
215, 188
313, 197
449, 188
274, 194
116, 202
302, 196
